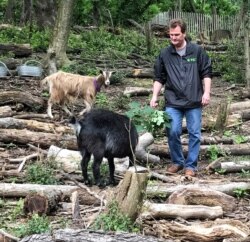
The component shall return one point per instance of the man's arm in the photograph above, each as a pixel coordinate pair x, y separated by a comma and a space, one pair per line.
207, 89
156, 91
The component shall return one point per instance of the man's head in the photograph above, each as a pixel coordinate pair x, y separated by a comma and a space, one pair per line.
177, 32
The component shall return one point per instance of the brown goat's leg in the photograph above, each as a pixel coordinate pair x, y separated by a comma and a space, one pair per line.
64, 107
88, 106
49, 109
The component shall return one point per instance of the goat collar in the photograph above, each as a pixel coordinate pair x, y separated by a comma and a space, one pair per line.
97, 87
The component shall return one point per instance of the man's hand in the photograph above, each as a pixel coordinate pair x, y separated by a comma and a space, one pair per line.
154, 102
205, 99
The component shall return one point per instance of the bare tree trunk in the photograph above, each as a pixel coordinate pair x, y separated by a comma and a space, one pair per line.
246, 41
242, 14
26, 12
61, 33
45, 13
8, 17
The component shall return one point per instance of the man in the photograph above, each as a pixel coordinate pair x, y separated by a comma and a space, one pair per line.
185, 70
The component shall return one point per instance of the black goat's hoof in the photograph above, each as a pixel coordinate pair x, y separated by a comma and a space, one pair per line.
113, 183
88, 183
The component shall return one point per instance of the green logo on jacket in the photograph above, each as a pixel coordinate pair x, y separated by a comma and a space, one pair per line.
192, 59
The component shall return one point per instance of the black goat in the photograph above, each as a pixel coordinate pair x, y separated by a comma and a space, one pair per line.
106, 134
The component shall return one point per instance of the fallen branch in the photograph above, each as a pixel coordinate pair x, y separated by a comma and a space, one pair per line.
159, 211
167, 189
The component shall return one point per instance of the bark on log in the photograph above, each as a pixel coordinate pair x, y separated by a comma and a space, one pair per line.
6, 111
141, 73
41, 203
239, 149
75, 206
232, 166
66, 235
167, 189
24, 50
130, 193
215, 48
239, 106
23, 190
207, 197
141, 152
41, 139
26, 98
207, 231
6, 123
160, 210
137, 91
69, 160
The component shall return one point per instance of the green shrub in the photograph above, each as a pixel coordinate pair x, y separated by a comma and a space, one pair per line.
231, 63
114, 220
41, 173
148, 119
36, 225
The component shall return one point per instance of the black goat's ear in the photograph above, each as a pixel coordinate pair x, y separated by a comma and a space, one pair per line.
72, 120
101, 71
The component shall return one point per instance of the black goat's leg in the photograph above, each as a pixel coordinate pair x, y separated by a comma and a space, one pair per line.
111, 171
84, 164
96, 171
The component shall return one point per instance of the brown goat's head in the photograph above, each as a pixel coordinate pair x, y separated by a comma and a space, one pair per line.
106, 75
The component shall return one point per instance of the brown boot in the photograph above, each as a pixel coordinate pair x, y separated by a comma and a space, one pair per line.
174, 168
189, 172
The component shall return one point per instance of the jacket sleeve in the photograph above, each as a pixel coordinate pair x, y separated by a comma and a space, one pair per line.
205, 66
160, 74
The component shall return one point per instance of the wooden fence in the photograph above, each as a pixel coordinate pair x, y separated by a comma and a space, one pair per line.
197, 22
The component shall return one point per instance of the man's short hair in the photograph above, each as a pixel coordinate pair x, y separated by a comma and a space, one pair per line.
178, 22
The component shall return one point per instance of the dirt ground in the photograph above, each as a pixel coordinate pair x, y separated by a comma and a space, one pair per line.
220, 92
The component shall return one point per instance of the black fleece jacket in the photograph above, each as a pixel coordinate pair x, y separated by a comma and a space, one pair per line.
183, 75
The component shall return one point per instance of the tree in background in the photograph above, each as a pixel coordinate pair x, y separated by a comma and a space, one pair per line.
57, 56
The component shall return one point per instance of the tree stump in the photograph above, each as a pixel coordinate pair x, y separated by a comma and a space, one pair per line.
130, 193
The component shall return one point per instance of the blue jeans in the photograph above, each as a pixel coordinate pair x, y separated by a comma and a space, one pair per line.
193, 120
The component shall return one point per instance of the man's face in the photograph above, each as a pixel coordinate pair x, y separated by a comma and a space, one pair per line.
177, 37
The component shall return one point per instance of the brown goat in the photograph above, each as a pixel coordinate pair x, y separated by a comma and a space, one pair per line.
66, 87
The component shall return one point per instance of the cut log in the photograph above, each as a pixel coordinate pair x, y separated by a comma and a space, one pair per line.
75, 206
141, 152
237, 149
221, 116
207, 197
207, 231
24, 50
26, 98
160, 211
137, 91
6, 111
33, 125
233, 166
64, 235
41, 139
167, 189
130, 193
23, 190
239, 106
141, 73
41, 203
69, 160
6, 237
